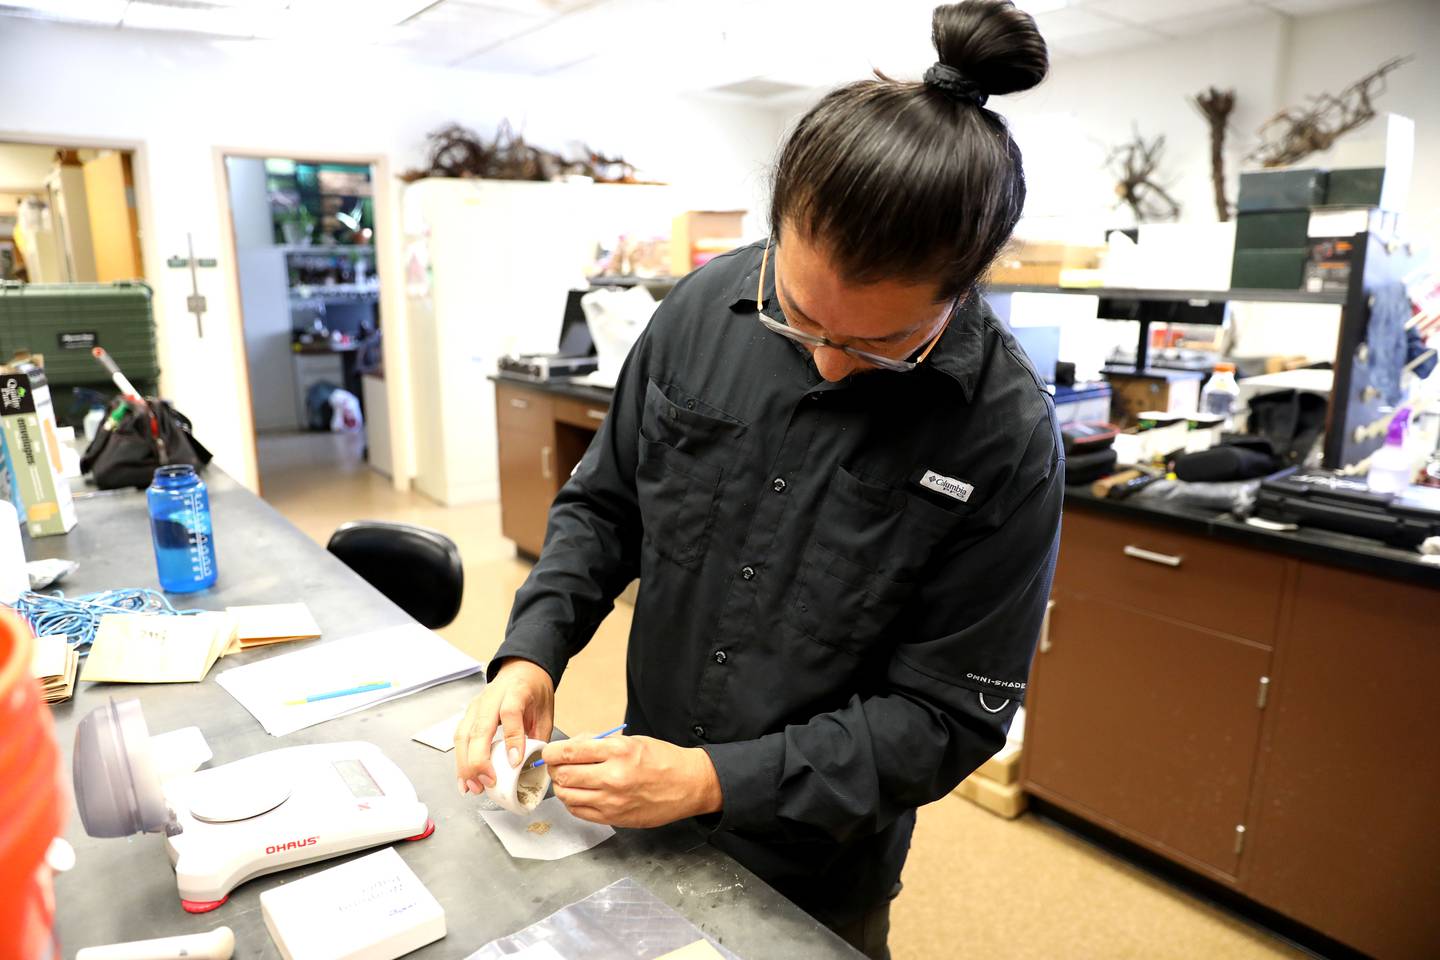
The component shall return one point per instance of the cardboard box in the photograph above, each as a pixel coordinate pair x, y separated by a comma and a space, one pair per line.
1281, 190
1004, 767
1002, 799
1267, 230
1327, 269
1175, 391
1042, 264
32, 451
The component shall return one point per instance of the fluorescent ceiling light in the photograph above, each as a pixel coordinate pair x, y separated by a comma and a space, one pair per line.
84, 11
1041, 6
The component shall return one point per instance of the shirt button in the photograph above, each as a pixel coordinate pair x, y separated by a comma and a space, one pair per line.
721, 656
748, 573
699, 731
689, 404
779, 485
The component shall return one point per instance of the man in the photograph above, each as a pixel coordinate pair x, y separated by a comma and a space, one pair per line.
839, 482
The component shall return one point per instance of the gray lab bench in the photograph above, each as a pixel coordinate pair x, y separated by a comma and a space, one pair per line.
124, 889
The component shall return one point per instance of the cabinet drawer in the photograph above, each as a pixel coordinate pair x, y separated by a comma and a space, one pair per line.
1195, 579
519, 409
580, 413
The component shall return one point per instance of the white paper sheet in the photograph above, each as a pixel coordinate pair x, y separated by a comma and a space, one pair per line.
550, 832
258, 624
441, 735
178, 752
52, 655
410, 657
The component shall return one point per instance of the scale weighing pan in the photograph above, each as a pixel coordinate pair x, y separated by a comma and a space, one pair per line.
231, 823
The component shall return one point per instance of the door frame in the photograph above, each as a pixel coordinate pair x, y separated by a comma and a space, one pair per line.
393, 320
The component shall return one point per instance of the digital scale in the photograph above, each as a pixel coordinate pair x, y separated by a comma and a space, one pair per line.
241, 820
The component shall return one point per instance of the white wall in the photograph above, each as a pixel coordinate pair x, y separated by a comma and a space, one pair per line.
25, 166
180, 98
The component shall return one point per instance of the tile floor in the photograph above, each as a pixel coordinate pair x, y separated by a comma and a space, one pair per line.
975, 885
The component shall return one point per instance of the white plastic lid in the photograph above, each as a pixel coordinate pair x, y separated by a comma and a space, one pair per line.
116, 789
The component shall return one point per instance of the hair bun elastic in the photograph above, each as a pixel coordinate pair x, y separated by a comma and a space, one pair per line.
955, 84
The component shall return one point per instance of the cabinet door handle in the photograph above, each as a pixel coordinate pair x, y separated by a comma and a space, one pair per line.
519, 404
1045, 627
1140, 553
546, 470
594, 414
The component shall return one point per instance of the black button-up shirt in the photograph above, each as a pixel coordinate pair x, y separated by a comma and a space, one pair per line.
841, 584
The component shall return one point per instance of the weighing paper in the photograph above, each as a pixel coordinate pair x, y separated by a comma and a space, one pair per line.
550, 832
178, 752
441, 735
260, 624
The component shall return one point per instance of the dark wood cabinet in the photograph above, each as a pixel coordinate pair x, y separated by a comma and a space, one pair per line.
1190, 686
1149, 724
543, 433
528, 467
1344, 831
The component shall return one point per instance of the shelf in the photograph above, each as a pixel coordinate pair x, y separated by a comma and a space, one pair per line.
320, 291
1133, 293
324, 249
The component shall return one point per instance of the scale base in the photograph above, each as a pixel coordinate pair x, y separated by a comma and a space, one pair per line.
202, 906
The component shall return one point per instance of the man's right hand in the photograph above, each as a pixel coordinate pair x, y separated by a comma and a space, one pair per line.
521, 700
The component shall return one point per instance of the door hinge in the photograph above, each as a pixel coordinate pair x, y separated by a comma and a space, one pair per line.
1263, 696
1239, 838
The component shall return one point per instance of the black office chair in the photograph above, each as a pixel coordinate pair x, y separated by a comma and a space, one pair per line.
418, 568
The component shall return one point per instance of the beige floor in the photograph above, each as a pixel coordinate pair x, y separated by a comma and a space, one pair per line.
975, 885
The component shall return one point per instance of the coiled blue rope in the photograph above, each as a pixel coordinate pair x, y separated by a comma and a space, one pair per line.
79, 617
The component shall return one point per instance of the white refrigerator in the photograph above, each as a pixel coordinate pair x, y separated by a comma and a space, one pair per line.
488, 265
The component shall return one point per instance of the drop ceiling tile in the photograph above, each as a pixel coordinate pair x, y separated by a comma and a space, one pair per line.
1215, 20
529, 8
560, 42
1071, 22
1154, 11
452, 31
1116, 38
106, 12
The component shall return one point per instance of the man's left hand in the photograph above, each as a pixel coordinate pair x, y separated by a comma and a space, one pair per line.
632, 781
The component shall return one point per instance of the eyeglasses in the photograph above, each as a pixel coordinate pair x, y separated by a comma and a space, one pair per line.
809, 340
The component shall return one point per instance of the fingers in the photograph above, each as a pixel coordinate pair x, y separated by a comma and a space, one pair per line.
512, 718
576, 798
589, 813
472, 745
583, 750
588, 776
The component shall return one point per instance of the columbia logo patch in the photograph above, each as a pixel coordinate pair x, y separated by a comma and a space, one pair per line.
949, 486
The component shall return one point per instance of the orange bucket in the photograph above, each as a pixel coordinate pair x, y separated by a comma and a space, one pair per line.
31, 798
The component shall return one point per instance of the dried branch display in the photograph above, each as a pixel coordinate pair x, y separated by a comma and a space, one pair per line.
457, 151
1216, 106
1293, 134
1134, 165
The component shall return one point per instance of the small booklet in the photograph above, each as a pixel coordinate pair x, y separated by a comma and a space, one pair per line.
260, 624
153, 648
371, 908
55, 664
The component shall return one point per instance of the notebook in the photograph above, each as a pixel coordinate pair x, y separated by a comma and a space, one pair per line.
260, 624
147, 648
370, 908
409, 658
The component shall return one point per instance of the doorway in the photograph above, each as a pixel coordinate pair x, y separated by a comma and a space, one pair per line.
68, 216
305, 256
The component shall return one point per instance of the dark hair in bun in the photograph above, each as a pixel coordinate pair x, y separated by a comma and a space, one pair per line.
917, 180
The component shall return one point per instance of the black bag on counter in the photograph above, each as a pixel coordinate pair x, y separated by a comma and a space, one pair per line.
128, 455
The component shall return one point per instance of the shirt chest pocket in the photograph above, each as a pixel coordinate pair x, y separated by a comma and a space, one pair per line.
678, 474
861, 567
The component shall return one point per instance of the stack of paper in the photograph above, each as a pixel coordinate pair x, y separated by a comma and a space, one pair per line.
54, 665
408, 658
148, 648
371, 908
273, 623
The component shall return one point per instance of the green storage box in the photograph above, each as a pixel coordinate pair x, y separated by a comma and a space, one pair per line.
1356, 187
64, 321
1271, 230
1281, 190
1269, 269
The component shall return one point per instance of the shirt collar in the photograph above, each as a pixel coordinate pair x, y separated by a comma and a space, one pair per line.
956, 356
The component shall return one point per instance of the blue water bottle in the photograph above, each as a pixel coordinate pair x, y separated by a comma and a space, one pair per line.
180, 526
